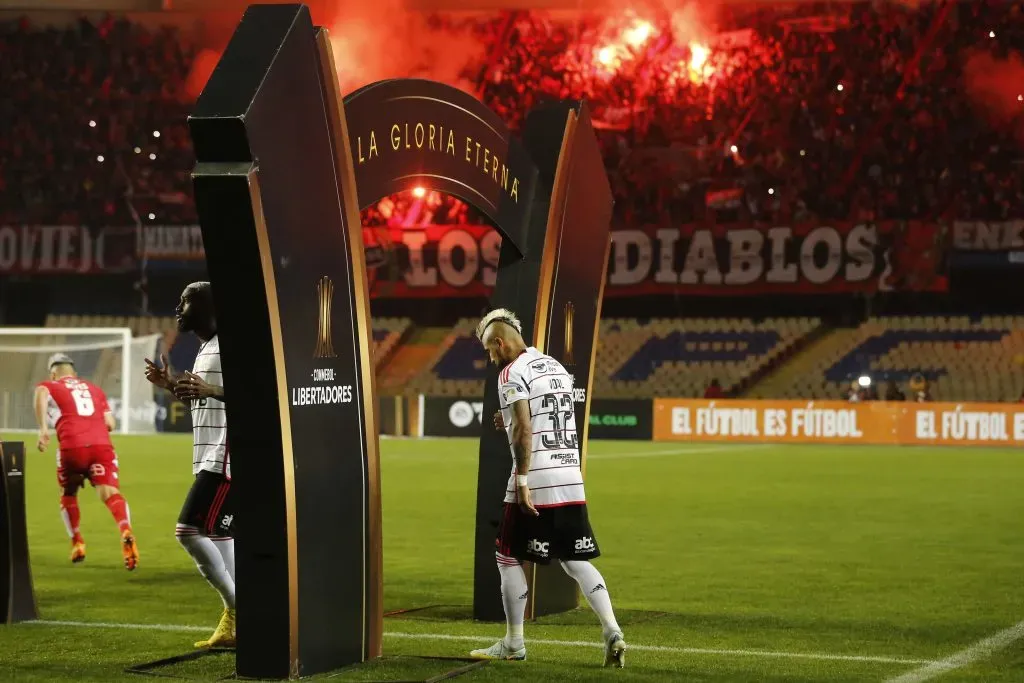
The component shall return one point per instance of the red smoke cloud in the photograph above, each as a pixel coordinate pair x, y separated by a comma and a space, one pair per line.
381, 39
202, 66
373, 40
995, 87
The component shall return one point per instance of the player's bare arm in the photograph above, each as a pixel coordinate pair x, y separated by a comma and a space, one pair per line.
41, 397
108, 419
499, 421
192, 386
522, 446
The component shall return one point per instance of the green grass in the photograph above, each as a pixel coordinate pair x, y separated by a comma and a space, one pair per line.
882, 552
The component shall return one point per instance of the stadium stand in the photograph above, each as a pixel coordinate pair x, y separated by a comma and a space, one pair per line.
803, 377
666, 357
387, 335
56, 168
458, 368
964, 359
676, 357
139, 325
681, 114
831, 107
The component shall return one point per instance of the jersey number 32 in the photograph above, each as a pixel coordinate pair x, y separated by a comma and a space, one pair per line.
559, 410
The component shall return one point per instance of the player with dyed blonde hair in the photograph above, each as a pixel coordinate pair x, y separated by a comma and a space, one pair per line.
545, 515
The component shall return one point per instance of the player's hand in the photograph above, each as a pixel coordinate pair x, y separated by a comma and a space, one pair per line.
160, 376
525, 503
43, 442
193, 387
499, 423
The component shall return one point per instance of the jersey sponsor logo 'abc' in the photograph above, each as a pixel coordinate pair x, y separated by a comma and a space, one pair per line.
585, 544
541, 548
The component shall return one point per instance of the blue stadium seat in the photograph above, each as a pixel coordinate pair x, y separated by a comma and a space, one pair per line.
695, 347
464, 359
859, 360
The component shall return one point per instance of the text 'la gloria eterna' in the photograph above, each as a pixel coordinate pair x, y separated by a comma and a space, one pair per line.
437, 138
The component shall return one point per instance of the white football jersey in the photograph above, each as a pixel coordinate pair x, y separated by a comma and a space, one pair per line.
209, 419
555, 478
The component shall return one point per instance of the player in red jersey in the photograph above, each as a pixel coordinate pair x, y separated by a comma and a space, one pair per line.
81, 415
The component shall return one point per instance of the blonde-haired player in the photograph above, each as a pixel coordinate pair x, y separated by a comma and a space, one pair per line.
545, 515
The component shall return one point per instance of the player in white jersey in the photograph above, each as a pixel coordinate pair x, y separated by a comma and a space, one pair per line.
545, 514
205, 525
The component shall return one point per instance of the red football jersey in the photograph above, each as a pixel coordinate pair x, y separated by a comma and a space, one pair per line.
76, 409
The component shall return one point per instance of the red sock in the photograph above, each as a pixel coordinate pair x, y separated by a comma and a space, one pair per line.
71, 515
118, 507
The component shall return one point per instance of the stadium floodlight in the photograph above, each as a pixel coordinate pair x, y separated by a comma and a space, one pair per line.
864, 381
109, 357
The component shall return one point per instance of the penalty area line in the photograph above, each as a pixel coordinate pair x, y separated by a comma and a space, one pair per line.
764, 654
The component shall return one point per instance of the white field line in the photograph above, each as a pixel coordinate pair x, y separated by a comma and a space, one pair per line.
108, 624
725, 448
679, 450
980, 650
766, 654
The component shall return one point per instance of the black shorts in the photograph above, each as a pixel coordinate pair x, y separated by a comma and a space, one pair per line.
559, 533
209, 505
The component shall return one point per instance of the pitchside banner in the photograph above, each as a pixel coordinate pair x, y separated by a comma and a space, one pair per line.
451, 417
621, 419
838, 422
609, 418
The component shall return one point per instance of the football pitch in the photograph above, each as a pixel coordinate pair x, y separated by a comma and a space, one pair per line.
725, 563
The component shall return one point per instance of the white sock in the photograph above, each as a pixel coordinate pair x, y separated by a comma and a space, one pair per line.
226, 546
209, 561
513, 598
595, 591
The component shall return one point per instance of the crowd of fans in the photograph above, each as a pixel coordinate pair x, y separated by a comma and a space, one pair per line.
91, 113
823, 112
853, 111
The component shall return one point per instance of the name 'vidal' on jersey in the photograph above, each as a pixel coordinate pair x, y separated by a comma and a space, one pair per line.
555, 478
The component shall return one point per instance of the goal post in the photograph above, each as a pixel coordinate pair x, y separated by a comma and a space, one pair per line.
109, 357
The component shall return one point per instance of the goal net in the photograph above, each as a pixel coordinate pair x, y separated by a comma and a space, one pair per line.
110, 358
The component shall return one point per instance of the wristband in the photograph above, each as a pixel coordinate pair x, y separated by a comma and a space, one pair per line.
521, 480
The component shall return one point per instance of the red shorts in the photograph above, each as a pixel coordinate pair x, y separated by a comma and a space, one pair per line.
98, 464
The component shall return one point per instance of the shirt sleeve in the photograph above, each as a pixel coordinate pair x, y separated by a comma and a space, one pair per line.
513, 388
